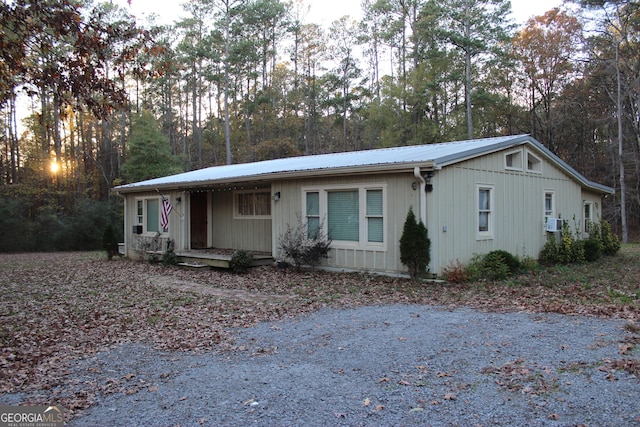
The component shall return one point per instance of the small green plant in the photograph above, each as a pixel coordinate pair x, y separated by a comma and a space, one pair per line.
568, 249
241, 261
474, 268
592, 250
495, 265
415, 246
610, 241
511, 261
169, 257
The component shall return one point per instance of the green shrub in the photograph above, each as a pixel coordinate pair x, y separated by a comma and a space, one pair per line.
415, 246
241, 261
474, 269
528, 263
610, 241
511, 261
592, 250
495, 265
109, 242
565, 250
169, 256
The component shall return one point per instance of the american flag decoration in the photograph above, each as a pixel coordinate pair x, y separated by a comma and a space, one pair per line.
164, 215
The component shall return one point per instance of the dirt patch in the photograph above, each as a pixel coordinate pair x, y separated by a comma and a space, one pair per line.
164, 282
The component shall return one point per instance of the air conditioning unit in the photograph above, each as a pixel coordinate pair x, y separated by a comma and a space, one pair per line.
554, 225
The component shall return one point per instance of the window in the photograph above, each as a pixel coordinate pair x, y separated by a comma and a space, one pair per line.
148, 215
513, 160
549, 206
375, 222
588, 215
354, 215
343, 215
313, 213
252, 204
485, 212
534, 164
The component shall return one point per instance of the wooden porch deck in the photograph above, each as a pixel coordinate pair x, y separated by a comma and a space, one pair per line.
221, 258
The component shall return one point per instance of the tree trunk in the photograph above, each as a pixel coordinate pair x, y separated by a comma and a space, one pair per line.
623, 187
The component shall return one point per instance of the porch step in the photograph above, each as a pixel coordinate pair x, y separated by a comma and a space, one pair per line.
208, 259
192, 266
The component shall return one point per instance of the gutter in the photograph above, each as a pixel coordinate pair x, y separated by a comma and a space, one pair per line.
422, 195
268, 177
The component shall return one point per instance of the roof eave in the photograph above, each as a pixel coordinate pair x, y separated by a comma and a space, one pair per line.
267, 177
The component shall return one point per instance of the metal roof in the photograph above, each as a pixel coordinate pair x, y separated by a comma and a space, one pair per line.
432, 156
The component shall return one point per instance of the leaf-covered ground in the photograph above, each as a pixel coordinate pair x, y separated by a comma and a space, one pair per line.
57, 307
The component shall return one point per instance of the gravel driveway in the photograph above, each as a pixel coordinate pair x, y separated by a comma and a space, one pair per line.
397, 365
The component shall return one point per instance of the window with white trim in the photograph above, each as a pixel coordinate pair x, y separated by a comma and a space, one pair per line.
249, 204
354, 215
313, 213
549, 206
375, 219
534, 164
513, 160
588, 215
148, 215
485, 203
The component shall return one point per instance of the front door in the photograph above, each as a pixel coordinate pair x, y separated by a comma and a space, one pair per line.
198, 219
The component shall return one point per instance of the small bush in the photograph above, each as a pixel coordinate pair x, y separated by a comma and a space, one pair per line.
455, 272
566, 250
511, 261
241, 261
592, 250
474, 269
415, 246
495, 267
610, 241
528, 264
109, 242
169, 257
304, 249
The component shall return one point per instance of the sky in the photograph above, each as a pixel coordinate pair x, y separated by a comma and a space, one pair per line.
321, 12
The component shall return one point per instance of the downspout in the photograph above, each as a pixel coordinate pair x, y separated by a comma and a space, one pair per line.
425, 187
422, 195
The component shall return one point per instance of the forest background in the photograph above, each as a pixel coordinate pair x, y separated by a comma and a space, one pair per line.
112, 100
